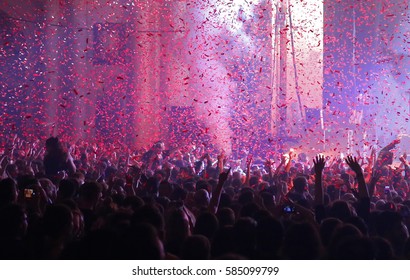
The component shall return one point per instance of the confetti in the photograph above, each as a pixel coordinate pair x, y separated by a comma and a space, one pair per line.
224, 73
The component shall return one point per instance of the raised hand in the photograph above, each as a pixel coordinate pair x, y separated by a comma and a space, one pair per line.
284, 159
370, 159
249, 160
403, 159
268, 163
395, 142
292, 154
319, 162
373, 154
224, 176
353, 164
221, 156
392, 145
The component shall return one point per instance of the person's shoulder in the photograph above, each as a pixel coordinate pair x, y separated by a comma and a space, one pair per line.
65, 156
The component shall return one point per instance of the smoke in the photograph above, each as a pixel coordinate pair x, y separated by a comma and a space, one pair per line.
213, 26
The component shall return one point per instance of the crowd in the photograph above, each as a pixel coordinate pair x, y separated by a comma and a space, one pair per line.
88, 201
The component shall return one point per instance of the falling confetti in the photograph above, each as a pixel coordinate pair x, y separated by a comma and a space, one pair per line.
225, 73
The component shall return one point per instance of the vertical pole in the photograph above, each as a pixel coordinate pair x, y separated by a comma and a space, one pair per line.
281, 94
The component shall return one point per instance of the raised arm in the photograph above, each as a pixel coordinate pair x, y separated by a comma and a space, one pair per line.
290, 156
279, 167
248, 169
220, 162
384, 156
355, 166
216, 194
70, 163
4, 161
319, 164
369, 167
372, 185
268, 168
391, 145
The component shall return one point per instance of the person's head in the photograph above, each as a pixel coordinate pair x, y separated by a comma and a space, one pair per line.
13, 222
133, 203
67, 189
249, 210
179, 193
355, 248
340, 210
178, 228
300, 184
196, 247
150, 214
110, 173
380, 204
341, 233
165, 189
225, 200
206, 224
202, 184
302, 157
226, 217
58, 222
382, 248
390, 225
333, 192
246, 196
269, 237
201, 198
8, 191
189, 186
327, 228
158, 147
253, 181
142, 243
53, 144
360, 224
223, 242
12, 171
349, 197
49, 188
199, 166
185, 173
79, 177
152, 185
134, 171
100, 244
236, 182
91, 192
245, 236
302, 242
